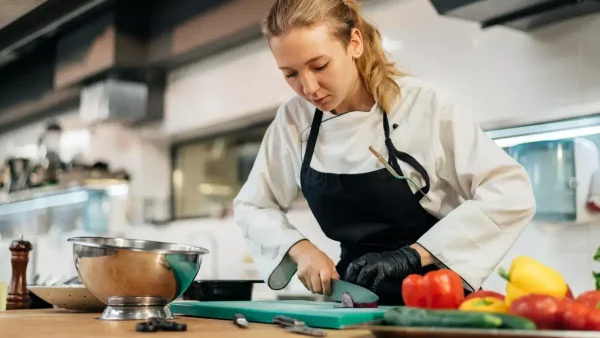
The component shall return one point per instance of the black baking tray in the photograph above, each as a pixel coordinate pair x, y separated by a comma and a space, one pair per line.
220, 290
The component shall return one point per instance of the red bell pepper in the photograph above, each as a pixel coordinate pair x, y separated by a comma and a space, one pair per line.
569, 294
441, 289
544, 310
412, 291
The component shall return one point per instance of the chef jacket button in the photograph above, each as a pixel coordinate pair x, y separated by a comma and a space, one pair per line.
395, 125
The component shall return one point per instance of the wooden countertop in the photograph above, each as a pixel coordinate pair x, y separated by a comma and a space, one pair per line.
50, 323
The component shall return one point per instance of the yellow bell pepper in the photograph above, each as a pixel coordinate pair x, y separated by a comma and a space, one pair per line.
484, 304
526, 275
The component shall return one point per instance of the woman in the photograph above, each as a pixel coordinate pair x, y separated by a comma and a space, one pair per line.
471, 200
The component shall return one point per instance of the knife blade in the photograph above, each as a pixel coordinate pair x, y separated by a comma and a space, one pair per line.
359, 294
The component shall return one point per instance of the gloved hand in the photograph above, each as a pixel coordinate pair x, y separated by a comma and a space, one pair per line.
369, 270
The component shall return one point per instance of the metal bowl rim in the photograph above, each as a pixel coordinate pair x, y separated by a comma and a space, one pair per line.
229, 281
58, 287
77, 240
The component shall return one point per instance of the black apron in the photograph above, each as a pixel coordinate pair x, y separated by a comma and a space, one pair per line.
367, 212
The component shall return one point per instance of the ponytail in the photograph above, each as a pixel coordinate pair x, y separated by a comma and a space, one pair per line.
376, 71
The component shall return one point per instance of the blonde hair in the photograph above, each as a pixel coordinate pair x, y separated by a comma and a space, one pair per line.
375, 70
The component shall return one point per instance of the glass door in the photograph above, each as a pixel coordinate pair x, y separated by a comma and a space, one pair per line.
551, 168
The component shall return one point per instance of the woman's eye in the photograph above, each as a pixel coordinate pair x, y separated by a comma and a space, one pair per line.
322, 67
289, 76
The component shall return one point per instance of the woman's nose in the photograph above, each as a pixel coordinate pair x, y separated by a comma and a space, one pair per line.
309, 85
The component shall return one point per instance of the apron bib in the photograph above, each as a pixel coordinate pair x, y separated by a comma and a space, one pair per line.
367, 212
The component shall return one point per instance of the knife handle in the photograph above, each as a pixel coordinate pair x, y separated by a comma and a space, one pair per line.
287, 321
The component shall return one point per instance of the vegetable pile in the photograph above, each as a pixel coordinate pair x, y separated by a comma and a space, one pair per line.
537, 297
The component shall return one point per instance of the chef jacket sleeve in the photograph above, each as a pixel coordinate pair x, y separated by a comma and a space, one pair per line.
261, 205
496, 195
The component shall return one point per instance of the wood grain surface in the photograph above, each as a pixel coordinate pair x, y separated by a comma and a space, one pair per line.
54, 323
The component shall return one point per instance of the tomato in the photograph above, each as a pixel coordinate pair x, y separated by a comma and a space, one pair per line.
590, 298
544, 310
593, 320
574, 315
485, 294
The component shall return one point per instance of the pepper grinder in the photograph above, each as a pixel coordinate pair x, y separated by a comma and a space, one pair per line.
18, 296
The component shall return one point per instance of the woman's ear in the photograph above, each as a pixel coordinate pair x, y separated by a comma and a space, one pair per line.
356, 43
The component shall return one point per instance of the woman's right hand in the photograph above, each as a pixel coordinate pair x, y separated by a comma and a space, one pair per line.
315, 268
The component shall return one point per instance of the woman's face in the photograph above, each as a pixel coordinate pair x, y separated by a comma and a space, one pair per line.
317, 65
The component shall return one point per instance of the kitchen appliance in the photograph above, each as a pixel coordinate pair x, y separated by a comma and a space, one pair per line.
314, 314
137, 279
560, 172
49, 162
19, 171
524, 15
115, 100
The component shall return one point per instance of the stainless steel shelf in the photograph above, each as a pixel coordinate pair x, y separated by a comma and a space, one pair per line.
54, 196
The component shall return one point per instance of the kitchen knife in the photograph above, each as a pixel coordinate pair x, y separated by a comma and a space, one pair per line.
358, 293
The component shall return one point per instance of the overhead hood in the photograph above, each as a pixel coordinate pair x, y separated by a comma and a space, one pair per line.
525, 15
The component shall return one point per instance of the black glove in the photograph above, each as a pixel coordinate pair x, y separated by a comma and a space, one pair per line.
369, 270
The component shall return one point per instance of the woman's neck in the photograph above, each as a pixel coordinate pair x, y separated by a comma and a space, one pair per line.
358, 99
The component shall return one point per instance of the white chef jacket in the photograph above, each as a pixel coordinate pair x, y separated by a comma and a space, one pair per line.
481, 195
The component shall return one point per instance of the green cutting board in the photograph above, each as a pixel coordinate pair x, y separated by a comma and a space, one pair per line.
313, 314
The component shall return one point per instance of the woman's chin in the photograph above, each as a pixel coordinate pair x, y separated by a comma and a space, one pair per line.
326, 105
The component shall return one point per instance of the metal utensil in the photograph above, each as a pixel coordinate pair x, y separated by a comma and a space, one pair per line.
307, 331
287, 321
393, 171
296, 326
240, 320
137, 279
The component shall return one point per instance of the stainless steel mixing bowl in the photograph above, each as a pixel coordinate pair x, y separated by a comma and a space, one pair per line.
135, 278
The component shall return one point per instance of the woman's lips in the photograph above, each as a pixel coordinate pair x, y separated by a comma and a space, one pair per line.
321, 100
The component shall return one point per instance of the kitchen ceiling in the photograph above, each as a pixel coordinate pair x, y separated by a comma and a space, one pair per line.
10, 10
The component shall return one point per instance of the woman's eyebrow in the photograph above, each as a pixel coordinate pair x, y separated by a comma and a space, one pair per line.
307, 62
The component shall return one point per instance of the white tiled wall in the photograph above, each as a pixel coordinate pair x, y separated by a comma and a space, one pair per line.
499, 74
569, 248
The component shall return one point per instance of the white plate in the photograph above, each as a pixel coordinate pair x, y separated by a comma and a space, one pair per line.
70, 297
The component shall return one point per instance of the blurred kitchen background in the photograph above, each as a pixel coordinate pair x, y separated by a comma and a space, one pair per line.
142, 119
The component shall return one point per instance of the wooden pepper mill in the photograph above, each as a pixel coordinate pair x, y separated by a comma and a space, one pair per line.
18, 296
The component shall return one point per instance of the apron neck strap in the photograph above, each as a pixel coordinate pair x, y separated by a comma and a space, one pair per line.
394, 155
392, 159
312, 138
